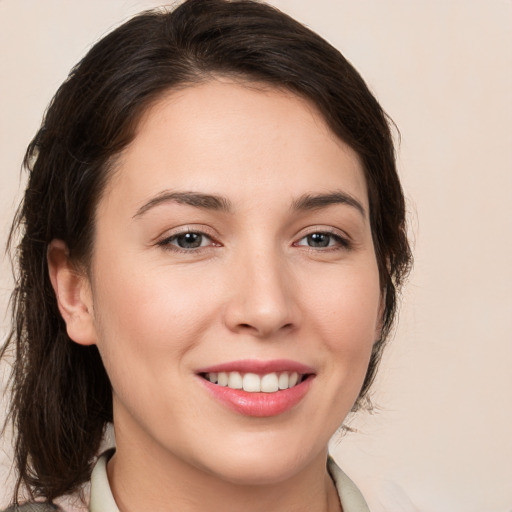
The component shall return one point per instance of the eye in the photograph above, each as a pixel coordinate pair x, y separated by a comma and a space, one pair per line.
320, 240
188, 240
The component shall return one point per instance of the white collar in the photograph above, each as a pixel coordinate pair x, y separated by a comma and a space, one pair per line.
351, 498
102, 500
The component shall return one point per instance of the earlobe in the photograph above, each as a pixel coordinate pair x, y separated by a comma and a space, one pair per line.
73, 293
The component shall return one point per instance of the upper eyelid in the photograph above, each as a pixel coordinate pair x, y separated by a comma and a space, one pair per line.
330, 230
182, 233
183, 230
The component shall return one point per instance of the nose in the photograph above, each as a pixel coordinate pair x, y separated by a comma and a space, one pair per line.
262, 296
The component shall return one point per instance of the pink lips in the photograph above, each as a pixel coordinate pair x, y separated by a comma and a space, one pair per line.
259, 367
259, 404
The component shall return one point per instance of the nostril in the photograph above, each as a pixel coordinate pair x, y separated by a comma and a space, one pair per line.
287, 326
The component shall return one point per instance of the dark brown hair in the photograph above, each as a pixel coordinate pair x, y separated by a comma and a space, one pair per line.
61, 395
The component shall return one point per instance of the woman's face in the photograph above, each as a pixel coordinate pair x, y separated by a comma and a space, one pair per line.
233, 245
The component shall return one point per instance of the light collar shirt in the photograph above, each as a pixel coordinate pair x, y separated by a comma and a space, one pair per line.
102, 500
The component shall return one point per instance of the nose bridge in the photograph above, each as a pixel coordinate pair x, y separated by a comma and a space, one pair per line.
263, 299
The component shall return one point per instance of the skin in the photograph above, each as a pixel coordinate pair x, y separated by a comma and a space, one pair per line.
254, 289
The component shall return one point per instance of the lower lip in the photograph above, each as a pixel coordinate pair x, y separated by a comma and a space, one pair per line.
259, 405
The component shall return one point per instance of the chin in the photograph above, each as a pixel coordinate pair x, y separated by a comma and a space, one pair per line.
261, 466
254, 474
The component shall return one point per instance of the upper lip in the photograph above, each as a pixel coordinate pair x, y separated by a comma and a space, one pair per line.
258, 367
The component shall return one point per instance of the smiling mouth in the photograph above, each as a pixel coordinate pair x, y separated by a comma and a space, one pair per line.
254, 383
258, 388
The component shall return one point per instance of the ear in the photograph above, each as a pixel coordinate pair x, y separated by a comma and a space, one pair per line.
73, 292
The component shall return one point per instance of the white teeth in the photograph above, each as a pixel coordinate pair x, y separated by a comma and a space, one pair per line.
222, 379
254, 383
269, 383
235, 380
283, 381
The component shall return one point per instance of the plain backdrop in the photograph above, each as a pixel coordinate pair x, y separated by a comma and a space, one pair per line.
439, 438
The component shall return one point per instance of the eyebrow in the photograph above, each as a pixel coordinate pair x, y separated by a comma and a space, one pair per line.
196, 199
219, 203
317, 201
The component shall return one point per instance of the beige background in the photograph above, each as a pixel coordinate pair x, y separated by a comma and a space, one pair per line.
440, 438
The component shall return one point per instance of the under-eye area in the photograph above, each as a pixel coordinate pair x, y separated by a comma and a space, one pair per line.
254, 383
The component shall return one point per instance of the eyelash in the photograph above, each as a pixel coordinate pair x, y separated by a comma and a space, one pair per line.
167, 243
341, 243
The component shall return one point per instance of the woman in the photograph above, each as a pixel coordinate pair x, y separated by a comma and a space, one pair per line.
213, 236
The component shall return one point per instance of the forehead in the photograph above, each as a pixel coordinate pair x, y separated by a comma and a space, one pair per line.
243, 140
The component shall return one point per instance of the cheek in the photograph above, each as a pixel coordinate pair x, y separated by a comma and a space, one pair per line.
150, 316
345, 310
348, 300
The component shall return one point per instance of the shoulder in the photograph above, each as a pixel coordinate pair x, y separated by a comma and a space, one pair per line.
33, 507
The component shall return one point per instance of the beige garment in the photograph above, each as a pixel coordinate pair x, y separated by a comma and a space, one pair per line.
103, 501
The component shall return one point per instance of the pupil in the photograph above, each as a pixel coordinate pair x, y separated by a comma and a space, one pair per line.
318, 240
190, 240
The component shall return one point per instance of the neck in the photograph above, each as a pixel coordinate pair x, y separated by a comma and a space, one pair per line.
144, 479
